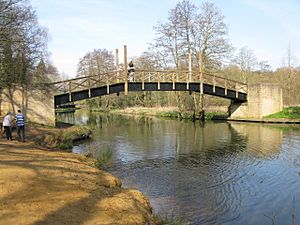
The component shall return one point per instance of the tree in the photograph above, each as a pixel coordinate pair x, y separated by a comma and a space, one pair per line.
191, 30
246, 61
97, 62
23, 43
210, 36
289, 69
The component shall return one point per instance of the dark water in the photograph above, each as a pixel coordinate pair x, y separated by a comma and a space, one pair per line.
216, 173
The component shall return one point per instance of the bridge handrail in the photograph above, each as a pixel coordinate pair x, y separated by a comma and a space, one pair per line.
85, 77
117, 76
146, 71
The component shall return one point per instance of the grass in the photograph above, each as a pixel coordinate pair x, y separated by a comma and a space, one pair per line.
103, 158
287, 113
64, 138
215, 115
168, 221
171, 114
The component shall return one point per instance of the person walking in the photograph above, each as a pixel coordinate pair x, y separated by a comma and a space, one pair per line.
20, 120
131, 71
7, 124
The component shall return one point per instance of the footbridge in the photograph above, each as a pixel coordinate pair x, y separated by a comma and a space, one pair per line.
69, 91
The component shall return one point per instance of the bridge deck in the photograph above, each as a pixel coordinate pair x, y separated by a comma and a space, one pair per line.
115, 82
150, 86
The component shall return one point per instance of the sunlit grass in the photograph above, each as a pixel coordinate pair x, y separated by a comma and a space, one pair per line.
287, 113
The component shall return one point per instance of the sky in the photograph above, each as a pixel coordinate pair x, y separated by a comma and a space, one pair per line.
75, 27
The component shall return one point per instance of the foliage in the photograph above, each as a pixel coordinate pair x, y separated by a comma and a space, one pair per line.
23, 42
289, 113
23, 50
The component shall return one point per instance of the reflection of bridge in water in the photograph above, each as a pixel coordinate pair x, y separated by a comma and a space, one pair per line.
236, 137
115, 82
195, 171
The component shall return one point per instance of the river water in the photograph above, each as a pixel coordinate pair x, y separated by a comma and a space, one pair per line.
212, 173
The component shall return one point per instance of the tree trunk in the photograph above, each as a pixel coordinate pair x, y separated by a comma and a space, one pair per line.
1, 90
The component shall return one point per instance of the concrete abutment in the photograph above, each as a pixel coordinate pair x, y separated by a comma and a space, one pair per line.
263, 100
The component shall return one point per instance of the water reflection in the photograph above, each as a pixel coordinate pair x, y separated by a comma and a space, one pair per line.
228, 173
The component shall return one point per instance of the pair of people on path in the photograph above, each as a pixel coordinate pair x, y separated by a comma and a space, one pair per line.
20, 121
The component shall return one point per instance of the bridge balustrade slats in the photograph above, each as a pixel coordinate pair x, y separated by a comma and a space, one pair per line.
168, 76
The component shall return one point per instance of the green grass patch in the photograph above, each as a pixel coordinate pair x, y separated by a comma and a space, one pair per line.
103, 158
171, 114
286, 113
215, 115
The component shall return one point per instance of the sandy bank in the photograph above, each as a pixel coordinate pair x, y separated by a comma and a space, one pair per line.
40, 186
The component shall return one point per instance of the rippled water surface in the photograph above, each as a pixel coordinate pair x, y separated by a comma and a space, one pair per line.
214, 173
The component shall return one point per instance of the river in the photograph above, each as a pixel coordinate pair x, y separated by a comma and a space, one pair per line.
211, 173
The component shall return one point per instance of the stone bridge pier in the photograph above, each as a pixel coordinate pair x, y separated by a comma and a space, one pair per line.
263, 100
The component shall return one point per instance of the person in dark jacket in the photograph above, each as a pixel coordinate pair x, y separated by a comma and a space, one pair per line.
131, 71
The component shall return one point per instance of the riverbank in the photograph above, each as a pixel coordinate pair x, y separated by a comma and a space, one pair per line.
168, 112
41, 185
172, 112
267, 120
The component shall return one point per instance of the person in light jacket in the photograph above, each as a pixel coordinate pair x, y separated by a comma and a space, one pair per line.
7, 124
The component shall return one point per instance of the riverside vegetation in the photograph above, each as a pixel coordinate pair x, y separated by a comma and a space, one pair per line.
287, 113
60, 138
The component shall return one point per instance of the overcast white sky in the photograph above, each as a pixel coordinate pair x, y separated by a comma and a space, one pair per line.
79, 26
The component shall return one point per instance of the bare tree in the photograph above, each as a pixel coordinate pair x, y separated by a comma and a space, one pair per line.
210, 36
96, 62
246, 61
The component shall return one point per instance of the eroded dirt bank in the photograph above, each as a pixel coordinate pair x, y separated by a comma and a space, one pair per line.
42, 186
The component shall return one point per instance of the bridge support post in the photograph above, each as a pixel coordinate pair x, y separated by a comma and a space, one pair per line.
201, 111
117, 66
201, 69
89, 87
70, 92
263, 100
126, 70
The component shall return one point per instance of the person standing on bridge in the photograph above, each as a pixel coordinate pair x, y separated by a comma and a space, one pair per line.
131, 71
20, 120
7, 124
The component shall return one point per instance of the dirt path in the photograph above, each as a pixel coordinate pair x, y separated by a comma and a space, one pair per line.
39, 186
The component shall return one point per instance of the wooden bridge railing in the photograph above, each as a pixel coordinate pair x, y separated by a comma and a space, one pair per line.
114, 77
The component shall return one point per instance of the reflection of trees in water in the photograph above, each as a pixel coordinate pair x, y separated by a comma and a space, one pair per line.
203, 172
63, 119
